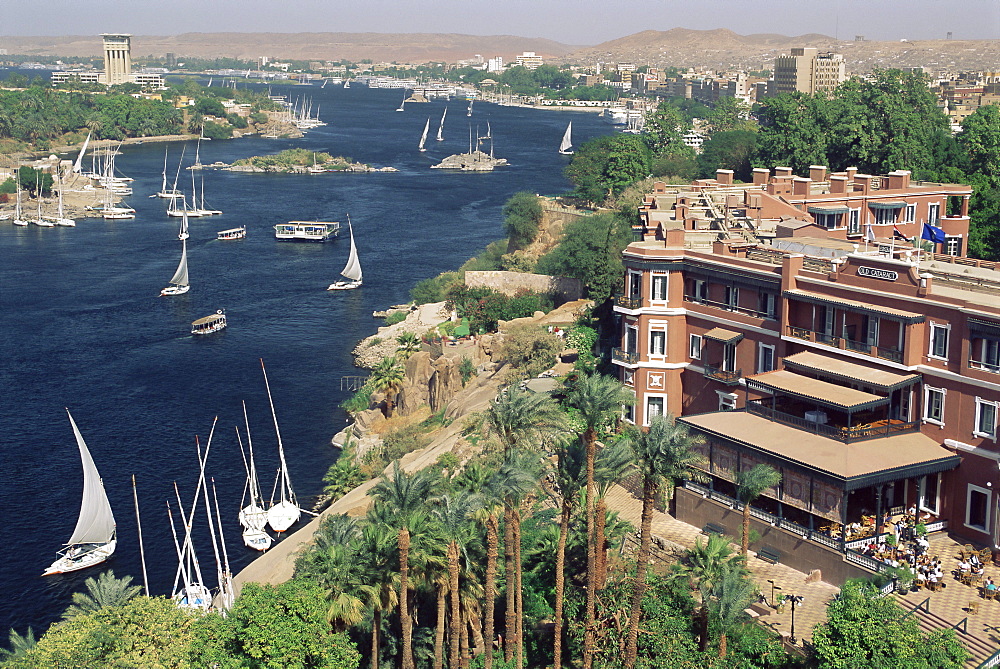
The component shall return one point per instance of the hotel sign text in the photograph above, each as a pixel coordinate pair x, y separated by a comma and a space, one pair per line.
884, 274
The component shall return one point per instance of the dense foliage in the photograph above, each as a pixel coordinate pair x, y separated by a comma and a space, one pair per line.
484, 307
591, 252
522, 215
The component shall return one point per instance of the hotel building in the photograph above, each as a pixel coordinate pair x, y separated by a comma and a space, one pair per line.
866, 372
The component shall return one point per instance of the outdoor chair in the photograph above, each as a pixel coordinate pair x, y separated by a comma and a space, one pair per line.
973, 607
989, 595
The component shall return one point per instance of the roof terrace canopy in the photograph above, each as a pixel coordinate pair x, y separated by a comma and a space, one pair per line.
854, 466
723, 335
821, 392
880, 379
878, 310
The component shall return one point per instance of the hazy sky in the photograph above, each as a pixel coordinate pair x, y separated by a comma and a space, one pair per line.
582, 22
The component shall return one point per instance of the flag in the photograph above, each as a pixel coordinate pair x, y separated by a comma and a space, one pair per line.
899, 235
933, 234
869, 233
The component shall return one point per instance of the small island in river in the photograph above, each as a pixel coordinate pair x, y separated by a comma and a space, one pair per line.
299, 161
477, 161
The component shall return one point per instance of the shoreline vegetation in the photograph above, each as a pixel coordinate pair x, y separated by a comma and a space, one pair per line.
299, 161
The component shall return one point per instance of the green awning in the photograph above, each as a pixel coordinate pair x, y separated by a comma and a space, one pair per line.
886, 205
828, 210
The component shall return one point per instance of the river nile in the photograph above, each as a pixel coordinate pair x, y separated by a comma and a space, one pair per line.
83, 327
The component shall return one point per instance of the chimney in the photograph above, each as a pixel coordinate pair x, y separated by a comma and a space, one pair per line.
817, 172
760, 176
899, 180
724, 177
782, 171
838, 184
851, 171
864, 182
800, 186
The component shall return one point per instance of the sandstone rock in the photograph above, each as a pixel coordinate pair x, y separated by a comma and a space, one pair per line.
364, 420
444, 384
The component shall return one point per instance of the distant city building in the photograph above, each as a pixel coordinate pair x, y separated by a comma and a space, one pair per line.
529, 60
495, 64
807, 71
117, 66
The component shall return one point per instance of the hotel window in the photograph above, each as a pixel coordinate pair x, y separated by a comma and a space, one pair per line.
854, 222
628, 376
729, 357
989, 355
953, 246
694, 347
659, 288
986, 419
929, 487
933, 213
658, 342
628, 412
765, 304
731, 297
886, 216
727, 401
655, 405
631, 339
699, 290
977, 508
934, 405
910, 213
828, 221
765, 358
635, 285
939, 340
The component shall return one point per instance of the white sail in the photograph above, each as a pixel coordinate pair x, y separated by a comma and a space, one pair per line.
180, 277
423, 137
567, 141
96, 524
352, 270
440, 136
77, 166
285, 513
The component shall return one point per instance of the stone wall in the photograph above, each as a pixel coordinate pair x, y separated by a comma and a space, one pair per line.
565, 289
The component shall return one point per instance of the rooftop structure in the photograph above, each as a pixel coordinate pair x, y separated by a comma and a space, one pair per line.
868, 377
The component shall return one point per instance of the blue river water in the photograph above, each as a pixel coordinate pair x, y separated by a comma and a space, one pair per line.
82, 326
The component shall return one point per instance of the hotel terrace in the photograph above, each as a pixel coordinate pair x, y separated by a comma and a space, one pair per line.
866, 371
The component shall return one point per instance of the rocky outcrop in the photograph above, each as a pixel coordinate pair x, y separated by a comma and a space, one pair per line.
444, 383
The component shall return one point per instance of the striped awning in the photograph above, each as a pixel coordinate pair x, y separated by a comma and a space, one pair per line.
840, 209
886, 205
723, 335
844, 398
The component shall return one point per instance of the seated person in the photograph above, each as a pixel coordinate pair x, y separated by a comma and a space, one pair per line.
990, 585
964, 566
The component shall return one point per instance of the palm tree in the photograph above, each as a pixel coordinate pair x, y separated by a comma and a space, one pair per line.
750, 484
453, 514
403, 497
387, 376
599, 399
409, 344
703, 566
492, 493
569, 475
611, 464
103, 592
19, 645
375, 549
664, 453
731, 596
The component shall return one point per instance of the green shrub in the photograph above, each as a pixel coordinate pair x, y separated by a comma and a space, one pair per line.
467, 369
395, 317
484, 307
522, 218
236, 121
374, 341
435, 289
487, 260
530, 349
405, 440
217, 130
359, 401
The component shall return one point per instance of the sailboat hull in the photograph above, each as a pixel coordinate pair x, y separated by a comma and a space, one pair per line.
252, 517
174, 290
75, 559
283, 515
257, 539
345, 285
194, 596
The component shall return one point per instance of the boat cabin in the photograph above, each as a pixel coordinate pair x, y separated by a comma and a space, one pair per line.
209, 324
312, 231
233, 233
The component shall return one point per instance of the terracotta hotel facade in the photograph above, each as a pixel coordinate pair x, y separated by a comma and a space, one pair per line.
794, 322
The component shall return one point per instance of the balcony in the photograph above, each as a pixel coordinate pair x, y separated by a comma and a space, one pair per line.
719, 374
854, 433
626, 357
991, 367
626, 302
754, 313
890, 353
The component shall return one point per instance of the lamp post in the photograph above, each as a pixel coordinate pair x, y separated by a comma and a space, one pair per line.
774, 587
796, 601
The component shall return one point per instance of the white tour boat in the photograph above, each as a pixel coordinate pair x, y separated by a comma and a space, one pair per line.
209, 324
233, 233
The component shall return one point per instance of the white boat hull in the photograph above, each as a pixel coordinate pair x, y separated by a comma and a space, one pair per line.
344, 285
20, 222
42, 223
174, 290
65, 222
283, 515
252, 517
69, 561
257, 539
195, 597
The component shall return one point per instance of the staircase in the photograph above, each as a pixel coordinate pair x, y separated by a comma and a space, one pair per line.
979, 649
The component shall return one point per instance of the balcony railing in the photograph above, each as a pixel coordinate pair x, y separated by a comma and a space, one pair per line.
627, 357
627, 302
990, 367
719, 374
885, 352
863, 432
754, 313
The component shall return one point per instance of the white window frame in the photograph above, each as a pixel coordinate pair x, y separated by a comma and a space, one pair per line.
662, 279
910, 213
922, 494
980, 403
727, 401
634, 277
934, 213
635, 328
761, 346
700, 292
628, 411
829, 221
854, 221
934, 327
768, 301
952, 243
628, 376
968, 506
944, 396
731, 298
646, 417
654, 332
695, 345
988, 345
886, 216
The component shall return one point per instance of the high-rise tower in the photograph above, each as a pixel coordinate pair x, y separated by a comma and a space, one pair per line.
117, 58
